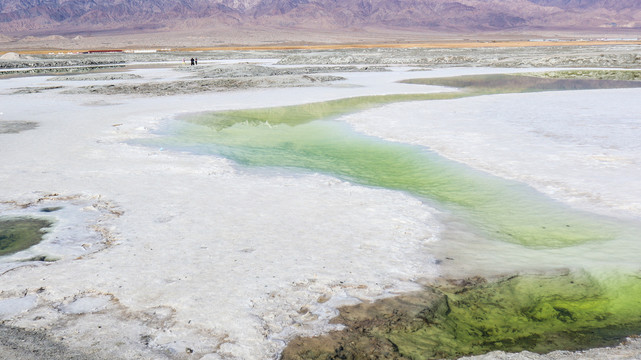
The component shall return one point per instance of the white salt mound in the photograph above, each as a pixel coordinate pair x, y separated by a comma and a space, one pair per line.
10, 56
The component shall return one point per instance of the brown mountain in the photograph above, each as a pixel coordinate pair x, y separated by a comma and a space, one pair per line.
24, 17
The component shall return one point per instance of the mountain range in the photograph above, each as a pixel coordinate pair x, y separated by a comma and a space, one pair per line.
37, 17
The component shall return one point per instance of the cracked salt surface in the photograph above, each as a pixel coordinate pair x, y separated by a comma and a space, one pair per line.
216, 261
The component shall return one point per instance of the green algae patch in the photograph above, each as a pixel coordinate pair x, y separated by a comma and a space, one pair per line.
503, 209
299, 114
535, 313
19, 234
304, 137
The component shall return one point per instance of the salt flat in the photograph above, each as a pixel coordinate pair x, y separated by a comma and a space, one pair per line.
169, 254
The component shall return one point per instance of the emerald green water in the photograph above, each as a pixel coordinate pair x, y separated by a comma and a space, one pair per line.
305, 137
304, 113
507, 210
17, 234
538, 313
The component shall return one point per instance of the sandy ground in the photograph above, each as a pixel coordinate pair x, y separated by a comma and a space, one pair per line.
170, 255
195, 36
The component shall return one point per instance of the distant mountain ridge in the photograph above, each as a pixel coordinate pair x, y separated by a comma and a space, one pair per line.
42, 16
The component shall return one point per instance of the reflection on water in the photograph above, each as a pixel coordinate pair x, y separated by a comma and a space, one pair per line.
501, 83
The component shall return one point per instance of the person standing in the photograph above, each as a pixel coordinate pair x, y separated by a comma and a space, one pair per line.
192, 61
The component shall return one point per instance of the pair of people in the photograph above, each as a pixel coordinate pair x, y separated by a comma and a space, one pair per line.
194, 61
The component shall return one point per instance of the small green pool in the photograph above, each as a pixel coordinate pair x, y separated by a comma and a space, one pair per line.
17, 234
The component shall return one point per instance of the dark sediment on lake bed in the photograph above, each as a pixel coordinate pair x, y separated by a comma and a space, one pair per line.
542, 313
14, 127
18, 343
